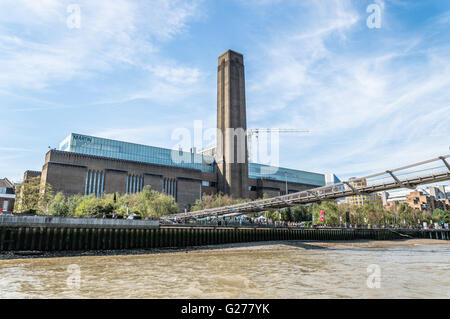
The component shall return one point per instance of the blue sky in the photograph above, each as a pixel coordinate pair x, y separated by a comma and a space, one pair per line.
373, 99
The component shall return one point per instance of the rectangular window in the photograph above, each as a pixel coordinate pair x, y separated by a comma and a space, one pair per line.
86, 183
175, 191
5, 205
90, 182
99, 179
103, 184
94, 184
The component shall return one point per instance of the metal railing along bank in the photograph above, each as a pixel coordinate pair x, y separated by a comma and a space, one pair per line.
426, 172
67, 222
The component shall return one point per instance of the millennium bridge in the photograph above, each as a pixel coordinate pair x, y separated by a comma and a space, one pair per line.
410, 176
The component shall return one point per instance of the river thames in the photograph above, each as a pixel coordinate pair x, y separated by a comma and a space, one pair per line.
294, 269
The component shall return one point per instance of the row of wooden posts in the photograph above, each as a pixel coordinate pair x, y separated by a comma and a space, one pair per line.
60, 238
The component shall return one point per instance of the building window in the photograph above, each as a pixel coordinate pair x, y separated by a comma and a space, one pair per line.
170, 187
134, 184
95, 183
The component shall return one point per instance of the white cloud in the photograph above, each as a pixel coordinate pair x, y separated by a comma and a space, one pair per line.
174, 74
112, 34
368, 110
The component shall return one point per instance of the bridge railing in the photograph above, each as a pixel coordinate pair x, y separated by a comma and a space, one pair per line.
426, 172
436, 167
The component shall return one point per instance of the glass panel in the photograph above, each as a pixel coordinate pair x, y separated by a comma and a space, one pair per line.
135, 152
284, 174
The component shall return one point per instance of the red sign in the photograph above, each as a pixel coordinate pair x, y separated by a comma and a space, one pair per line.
322, 217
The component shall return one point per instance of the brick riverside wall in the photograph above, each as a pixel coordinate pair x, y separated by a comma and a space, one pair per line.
101, 238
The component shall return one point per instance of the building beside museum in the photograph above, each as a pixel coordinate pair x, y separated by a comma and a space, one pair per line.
359, 200
87, 165
427, 199
7, 196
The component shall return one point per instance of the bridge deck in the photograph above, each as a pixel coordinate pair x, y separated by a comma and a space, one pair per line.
402, 177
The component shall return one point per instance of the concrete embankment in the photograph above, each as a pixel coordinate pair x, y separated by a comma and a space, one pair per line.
60, 234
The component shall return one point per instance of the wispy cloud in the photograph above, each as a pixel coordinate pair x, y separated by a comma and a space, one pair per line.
112, 34
372, 98
382, 106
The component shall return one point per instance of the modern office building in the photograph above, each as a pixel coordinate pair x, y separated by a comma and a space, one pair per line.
93, 165
392, 199
331, 179
359, 200
439, 192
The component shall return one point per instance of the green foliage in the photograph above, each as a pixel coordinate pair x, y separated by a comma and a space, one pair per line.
441, 215
332, 213
72, 203
367, 214
58, 206
290, 214
93, 207
32, 197
273, 215
146, 204
301, 213
218, 200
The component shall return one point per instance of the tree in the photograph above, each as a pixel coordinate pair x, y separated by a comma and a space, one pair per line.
441, 215
217, 200
273, 215
287, 215
72, 203
162, 205
58, 206
147, 204
301, 213
405, 214
92, 207
33, 197
332, 213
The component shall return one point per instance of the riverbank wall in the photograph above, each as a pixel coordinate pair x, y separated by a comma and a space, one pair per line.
64, 234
